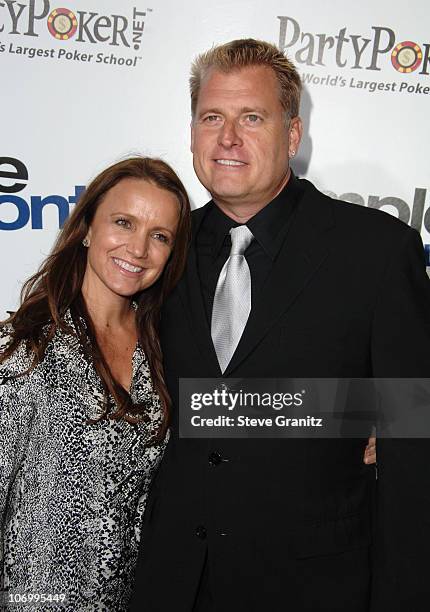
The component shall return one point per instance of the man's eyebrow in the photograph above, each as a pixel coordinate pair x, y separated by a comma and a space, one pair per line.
242, 111
211, 111
254, 109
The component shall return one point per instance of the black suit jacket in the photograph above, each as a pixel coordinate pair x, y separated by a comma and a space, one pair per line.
290, 524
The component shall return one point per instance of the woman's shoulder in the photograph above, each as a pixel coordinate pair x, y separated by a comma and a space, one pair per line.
20, 360
6, 333
62, 347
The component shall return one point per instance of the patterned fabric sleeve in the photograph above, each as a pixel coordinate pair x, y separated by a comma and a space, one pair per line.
16, 410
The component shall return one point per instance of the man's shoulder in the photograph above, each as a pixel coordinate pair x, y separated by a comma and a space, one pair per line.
353, 217
198, 212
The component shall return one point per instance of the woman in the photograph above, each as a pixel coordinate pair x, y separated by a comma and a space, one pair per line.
83, 403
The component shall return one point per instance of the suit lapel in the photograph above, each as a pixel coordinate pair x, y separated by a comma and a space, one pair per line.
305, 247
192, 299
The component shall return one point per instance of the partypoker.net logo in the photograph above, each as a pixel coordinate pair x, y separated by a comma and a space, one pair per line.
347, 49
64, 23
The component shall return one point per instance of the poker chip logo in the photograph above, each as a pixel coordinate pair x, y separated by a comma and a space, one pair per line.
406, 56
62, 24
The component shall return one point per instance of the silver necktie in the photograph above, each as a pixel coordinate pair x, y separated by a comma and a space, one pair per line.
232, 301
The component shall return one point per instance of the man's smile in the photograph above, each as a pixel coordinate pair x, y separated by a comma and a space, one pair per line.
230, 162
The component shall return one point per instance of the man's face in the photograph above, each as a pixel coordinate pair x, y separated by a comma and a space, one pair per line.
239, 138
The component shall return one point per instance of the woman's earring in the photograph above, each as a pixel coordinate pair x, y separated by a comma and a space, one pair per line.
86, 242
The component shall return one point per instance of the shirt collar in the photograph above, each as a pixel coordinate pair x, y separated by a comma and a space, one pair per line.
269, 223
266, 226
218, 225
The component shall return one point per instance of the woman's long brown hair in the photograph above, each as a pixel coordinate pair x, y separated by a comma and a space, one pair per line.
56, 288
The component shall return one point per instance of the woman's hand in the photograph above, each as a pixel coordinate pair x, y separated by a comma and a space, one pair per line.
370, 452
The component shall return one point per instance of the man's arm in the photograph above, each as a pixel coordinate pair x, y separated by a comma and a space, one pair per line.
401, 349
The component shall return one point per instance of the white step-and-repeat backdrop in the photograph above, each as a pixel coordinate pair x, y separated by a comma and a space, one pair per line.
87, 82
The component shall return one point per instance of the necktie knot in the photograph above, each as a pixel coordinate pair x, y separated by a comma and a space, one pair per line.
241, 237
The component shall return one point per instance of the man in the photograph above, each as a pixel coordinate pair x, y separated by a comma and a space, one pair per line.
327, 289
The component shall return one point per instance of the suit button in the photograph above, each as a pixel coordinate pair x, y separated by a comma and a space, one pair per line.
215, 459
201, 532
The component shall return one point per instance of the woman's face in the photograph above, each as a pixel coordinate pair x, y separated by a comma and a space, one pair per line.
130, 239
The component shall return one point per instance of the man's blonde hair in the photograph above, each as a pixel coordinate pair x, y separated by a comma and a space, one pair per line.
246, 52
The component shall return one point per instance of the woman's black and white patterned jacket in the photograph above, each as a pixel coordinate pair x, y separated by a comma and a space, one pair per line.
72, 494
